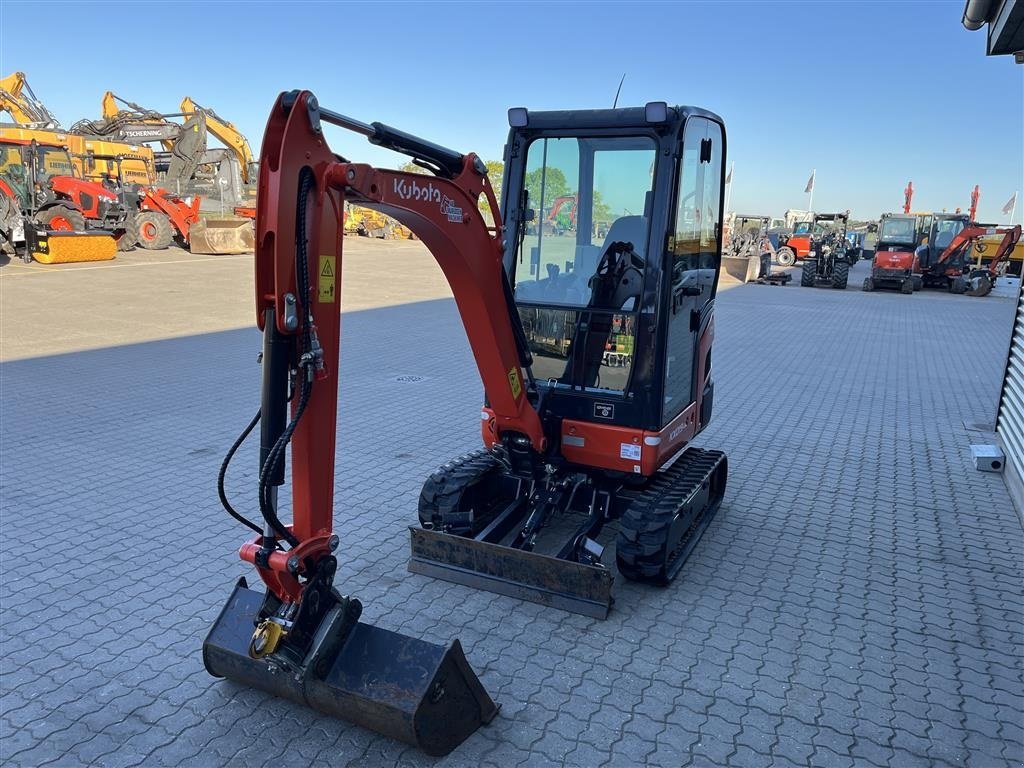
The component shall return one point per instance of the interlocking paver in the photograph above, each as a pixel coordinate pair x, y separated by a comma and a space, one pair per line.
858, 600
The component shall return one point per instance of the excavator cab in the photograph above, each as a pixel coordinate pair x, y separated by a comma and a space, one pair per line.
615, 319
942, 229
597, 307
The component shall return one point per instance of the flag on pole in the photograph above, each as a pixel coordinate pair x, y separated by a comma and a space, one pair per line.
810, 184
1010, 204
728, 176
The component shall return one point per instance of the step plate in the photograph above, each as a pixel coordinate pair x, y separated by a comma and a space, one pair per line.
563, 584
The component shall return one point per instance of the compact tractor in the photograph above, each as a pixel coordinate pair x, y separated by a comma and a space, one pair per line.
574, 436
40, 195
793, 246
949, 257
830, 254
895, 263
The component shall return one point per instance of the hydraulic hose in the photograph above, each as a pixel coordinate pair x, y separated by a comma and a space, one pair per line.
224, 471
305, 363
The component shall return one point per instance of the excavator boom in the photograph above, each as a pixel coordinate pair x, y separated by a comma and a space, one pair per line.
340, 666
17, 98
227, 133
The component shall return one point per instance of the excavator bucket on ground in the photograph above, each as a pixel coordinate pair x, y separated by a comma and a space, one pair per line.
70, 247
227, 235
411, 690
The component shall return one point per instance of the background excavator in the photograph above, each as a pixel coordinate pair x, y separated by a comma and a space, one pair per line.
17, 98
572, 442
228, 135
948, 258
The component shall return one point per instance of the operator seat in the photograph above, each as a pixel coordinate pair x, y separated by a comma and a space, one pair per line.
627, 229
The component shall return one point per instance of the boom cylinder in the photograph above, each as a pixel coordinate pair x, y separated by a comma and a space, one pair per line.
274, 397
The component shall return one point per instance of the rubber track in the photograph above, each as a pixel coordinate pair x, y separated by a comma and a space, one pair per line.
444, 488
645, 526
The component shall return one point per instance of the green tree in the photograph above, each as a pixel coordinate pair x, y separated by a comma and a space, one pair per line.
495, 170
602, 211
555, 185
411, 167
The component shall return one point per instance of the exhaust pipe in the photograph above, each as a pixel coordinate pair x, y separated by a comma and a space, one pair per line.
405, 688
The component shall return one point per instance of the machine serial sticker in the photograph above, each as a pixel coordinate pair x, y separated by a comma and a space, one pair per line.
514, 383
327, 279
604, 411
629, 451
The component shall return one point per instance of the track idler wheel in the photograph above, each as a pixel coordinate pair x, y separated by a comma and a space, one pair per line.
408, 689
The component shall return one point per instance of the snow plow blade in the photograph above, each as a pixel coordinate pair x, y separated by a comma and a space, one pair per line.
71, 247
222, 236
408, 689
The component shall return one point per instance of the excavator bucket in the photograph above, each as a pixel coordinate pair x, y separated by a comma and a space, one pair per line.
408, 689
70, 247
742, 268
227, 235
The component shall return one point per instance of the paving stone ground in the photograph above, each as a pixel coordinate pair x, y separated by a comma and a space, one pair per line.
857, 600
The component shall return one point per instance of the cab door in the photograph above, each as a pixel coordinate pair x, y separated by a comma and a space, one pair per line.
692, 263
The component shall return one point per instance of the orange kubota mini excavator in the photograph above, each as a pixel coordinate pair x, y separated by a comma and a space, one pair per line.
596, 364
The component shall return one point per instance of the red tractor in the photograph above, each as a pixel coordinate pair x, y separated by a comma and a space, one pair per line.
42, 177
795, 246
39, 193
896, 264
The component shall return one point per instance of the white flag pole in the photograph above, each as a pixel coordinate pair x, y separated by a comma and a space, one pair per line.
1013, 210
810, 196
728, 187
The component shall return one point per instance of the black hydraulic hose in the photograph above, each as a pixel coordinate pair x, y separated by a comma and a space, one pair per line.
224, 471
305, 371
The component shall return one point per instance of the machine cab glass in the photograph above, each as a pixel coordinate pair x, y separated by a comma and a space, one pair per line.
586, 194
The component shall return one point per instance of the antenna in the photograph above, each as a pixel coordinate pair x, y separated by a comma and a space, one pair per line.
618, 91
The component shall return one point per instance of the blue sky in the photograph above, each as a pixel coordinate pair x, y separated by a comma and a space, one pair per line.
871, 94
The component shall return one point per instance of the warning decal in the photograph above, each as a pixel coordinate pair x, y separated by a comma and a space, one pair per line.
327, 280
514, 383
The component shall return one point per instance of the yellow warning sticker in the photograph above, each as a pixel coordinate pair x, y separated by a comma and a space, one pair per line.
514, 383
327, 280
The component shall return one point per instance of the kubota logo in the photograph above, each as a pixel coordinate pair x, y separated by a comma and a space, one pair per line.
413, 190
416, 191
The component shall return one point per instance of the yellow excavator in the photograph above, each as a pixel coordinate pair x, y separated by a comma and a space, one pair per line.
228, 135
16, 97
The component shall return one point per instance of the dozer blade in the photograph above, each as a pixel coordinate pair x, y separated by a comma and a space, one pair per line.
213, 236
564, 584
411, 690
72, 247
